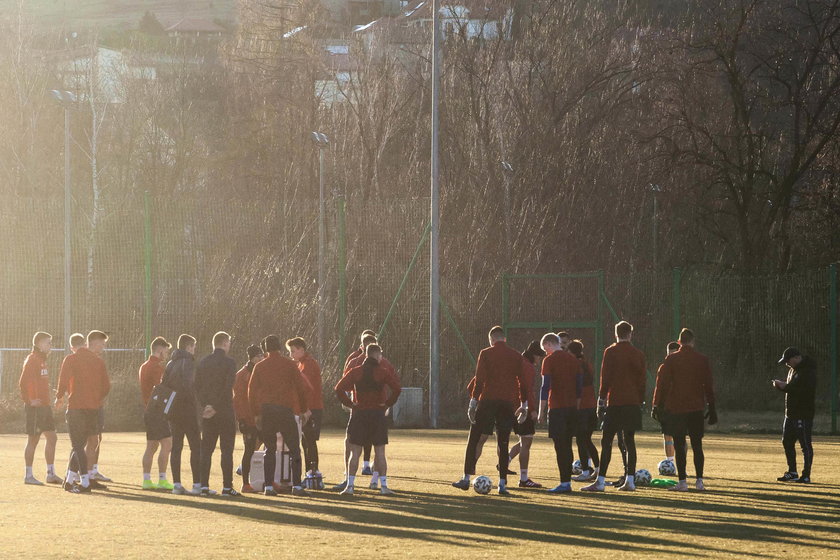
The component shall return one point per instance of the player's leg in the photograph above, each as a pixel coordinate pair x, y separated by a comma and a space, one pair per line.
696, 439
789, 437
94, 456
178, 434
668, 444
249, 441
148, 459
210, 428
366, 465
525, 443
268, 434
288, 429
352, 468
607, 436
471, 452
622, 448
505, 417
193, 435
163, 461
804, 428
51, 439
630, 468
29, 458
76, 426
227, 439
379, 440
680, 453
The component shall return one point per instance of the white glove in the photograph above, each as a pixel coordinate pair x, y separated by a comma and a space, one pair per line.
471, 410
522, 413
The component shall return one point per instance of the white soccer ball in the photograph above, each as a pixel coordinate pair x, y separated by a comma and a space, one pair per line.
667, 467
576, 469
482, 484
642, 477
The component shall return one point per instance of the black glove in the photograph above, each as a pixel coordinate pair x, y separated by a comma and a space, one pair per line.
711, 415
601, 411
656, 414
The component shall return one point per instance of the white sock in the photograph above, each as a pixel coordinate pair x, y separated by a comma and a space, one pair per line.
95, 468
147, 476
29, 472
85, 480
50, 469
466, 477
502, 483
523, 475
351, 481
162, 476
177, 485
91, 472
366, 464
268, 487
600, 481
383, 481
670, 459
699, 480
197, 486
374, 477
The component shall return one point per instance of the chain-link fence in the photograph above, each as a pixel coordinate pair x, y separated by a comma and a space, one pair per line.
147, 267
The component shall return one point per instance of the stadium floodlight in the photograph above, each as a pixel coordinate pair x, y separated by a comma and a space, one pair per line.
323, 143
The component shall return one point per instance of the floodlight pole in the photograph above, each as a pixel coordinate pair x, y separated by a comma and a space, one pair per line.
66, 99
323, 142
434, 257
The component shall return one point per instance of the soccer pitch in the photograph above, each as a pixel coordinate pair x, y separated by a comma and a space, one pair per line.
745, 513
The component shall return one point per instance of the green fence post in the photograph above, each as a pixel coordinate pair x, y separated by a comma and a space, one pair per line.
599, 331
342, 276
458, 332
832, 271
676, 296
147, 261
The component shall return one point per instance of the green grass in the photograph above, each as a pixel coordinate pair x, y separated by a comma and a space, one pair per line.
745, 513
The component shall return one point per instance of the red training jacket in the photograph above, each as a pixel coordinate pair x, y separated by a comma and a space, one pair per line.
35, 379
311, 371
85, 377
500, 375
276, 380
623, 375
366, 398
151, 372
564, 370
684, 382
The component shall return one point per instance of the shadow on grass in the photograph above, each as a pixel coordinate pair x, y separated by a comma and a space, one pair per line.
611, 521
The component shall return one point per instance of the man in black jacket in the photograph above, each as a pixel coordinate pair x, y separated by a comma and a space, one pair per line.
800, 390
183, 415
214, 378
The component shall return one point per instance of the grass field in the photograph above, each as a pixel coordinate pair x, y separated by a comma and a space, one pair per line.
744, 514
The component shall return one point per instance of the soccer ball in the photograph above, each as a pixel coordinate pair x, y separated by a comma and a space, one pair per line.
642, 477
482, 485
576, 469
667, 467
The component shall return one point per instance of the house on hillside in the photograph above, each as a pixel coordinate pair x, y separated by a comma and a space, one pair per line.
194, 29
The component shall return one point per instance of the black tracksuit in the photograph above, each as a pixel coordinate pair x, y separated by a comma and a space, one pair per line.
214, 379
800, 392
183, 416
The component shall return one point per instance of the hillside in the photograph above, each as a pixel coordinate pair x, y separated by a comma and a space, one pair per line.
84, 14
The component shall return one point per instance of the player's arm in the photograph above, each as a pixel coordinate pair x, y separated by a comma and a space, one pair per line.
345, 385
254, 388
393, 383
65, 374
579, 386
28, 384
642, 379
544, 390
105, 380
481, 375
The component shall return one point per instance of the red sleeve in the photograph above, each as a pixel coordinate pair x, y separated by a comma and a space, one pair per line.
304, 389
480, 375
146, 384
28, 381
344, 386
241, 407
604, 389
394, 383
254, 391
471, 386
659, 390
64, 376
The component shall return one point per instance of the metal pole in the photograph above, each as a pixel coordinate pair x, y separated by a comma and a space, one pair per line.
147, 261
67, 231
322, 236
832, 270
342, 278
434, 257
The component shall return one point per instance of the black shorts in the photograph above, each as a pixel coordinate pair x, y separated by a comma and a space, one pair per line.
312, 429
687, 423
526, 428
39, 419
496, 413
626, 418
367, 427
587, 421
562, 422
81, 424
157, 426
